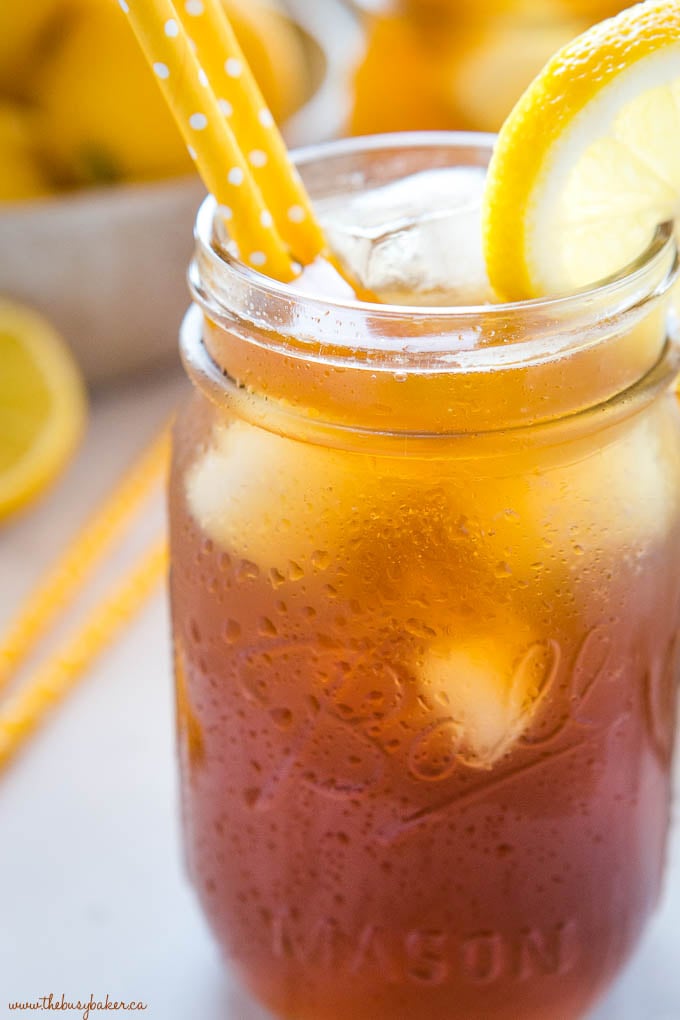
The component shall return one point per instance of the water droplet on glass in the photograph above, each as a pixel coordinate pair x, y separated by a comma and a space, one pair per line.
232, 632
251, 795
276, 577
282, 717
418, 628
320, 559
266, 628
248, 571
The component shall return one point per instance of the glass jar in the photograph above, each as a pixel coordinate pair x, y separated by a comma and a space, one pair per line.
426, 592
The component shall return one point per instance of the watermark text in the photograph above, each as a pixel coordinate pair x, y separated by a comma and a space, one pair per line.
84, 1007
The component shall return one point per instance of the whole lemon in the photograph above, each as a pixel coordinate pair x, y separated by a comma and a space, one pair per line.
25, 26
103, 116
594, 10
411, 99
499, 60
456, 10
21, 173
274, 50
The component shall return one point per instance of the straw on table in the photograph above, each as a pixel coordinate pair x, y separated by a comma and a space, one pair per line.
64, 579
30, 706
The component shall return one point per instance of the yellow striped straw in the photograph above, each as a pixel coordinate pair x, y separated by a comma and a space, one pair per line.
62, 582
242, 103
30, 706
209, 138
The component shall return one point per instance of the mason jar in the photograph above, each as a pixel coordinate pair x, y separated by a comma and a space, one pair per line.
425, 594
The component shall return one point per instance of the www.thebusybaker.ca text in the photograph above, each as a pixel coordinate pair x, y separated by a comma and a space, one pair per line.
84, 1007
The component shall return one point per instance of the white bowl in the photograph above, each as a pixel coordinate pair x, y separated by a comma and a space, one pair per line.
108, 266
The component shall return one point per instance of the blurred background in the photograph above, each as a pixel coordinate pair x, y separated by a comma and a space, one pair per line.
96, 204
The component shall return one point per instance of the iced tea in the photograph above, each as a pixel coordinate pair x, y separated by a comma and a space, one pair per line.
426, 591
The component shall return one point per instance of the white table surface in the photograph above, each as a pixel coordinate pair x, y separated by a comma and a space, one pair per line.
93, 898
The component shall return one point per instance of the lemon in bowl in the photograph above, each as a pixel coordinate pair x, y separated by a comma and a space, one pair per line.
105, 257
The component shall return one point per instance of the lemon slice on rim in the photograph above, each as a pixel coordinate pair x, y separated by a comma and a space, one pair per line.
42, 405
587, 165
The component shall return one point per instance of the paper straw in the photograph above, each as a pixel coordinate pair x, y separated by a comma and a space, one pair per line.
62, 582
31, 705
210, 141
242, 103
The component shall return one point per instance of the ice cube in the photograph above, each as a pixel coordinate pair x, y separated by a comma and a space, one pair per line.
492, 684
577, 508
417, 240
274, 500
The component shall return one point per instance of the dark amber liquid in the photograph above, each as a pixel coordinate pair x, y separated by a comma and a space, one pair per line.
356, 852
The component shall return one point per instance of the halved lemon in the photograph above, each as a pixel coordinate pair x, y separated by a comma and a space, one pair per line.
42, 405
587, 165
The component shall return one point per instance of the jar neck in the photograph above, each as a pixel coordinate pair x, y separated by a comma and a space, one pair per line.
416, 370
233, 401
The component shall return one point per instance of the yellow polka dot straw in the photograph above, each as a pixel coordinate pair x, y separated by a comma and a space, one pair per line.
229, 132
241, 102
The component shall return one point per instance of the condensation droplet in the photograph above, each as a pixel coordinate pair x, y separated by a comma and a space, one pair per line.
276, 577
282, 717
248, 571
232, 632
418, 628
295, 571
320, 559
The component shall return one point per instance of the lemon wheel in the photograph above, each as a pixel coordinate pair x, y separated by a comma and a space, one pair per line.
588, 163
42, 406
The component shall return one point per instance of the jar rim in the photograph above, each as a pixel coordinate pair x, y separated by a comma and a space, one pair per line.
609, 290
